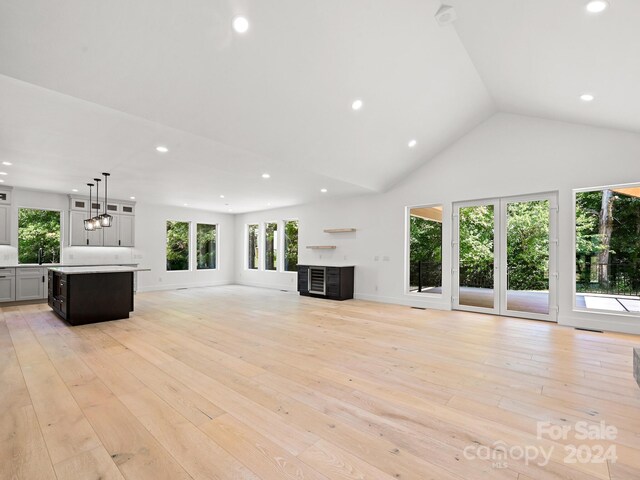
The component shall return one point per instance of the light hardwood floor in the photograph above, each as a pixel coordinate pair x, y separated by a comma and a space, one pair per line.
242, 383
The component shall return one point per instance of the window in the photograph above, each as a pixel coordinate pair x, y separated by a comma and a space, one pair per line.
177, 245
271, 246
38, 233
291, 246
206, 242
425, 249
607, 267
252, 245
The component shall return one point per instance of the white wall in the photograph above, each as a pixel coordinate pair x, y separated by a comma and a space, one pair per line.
506, 155
151, 244
150, 241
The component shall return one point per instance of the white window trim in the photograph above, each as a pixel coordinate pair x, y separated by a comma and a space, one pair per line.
407, 253
190, 253
574, 301
195, 250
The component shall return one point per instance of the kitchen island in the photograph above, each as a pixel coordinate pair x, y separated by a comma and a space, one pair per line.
82, 295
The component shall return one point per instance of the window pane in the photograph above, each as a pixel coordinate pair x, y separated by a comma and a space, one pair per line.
425, 249
177, 245
271, 246
252, 243
38, 229
206, 240
608, 249
291, 246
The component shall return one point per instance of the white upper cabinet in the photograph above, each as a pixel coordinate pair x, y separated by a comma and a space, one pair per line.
5, 224
112, 233
119, 234
77, 233
127, 231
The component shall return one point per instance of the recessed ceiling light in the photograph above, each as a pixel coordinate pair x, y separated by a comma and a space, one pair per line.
268, 204
162, 149
266, 175
412, 143
132, 198
323, 190
597, 6
1, 181
221, 196
74, 189
186, 204
357, 104
7, 163
240, 24
4, 173
587, 97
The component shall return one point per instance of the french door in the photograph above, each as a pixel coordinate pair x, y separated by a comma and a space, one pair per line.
505, 256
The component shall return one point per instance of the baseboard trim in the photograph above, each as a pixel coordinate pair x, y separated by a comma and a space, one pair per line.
610, 324
409, 302
270, 286
176, 286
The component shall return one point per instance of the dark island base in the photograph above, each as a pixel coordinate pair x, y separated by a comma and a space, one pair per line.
81, 299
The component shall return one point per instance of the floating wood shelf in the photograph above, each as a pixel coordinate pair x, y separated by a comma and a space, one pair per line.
339, 230
322, 247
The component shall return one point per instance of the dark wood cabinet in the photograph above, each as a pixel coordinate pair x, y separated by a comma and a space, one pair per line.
90, 298
331, 282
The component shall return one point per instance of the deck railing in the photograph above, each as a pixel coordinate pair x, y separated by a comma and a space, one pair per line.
424, 275
608, 278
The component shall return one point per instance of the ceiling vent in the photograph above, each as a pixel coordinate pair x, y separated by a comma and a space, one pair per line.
446, 15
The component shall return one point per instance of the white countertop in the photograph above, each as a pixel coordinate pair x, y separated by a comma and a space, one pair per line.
48, 265
97, 269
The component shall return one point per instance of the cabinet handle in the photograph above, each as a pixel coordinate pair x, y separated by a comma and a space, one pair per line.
42, 278
119, 243
87, 241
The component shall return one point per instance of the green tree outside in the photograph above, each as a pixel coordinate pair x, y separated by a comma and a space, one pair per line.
291, 246
38, 229
206, 244
177, 245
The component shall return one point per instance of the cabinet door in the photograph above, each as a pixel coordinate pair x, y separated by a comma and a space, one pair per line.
95, 238
127, 230
5, 224
77, 233
112, 233
29, 287
7, 289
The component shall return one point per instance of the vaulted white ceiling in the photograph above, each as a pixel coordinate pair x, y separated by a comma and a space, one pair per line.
538, 56
88, 86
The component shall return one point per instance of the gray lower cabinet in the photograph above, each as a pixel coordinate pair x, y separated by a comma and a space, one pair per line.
7, 288
30, 283
22, 283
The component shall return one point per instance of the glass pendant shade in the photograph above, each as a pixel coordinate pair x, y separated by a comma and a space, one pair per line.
105, 220
89, 225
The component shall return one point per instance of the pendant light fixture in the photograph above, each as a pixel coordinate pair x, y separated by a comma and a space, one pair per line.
89, 224
96, 220
105, 218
